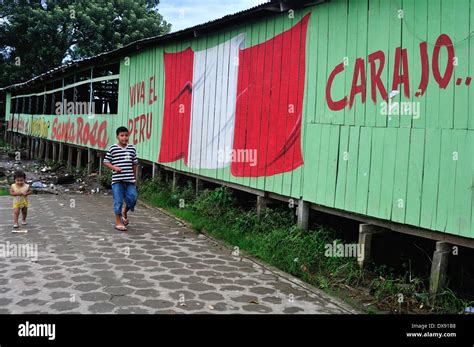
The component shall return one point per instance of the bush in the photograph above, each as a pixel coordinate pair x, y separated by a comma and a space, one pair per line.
160, 193
106, 178
214, 203
268, 221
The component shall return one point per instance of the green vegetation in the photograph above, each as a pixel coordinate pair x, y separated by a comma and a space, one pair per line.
33, 25
4, 191
106, 178
274, 238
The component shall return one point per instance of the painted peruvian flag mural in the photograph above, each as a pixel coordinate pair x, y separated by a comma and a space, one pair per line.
237, 106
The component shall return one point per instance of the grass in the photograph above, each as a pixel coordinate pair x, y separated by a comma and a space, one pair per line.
4, 191
274, 238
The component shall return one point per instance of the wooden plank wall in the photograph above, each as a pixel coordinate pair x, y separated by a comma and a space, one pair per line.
416, 170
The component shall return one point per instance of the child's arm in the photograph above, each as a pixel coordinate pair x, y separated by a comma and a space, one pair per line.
107, 162
29, 192
13, 193
111, 167
135, 171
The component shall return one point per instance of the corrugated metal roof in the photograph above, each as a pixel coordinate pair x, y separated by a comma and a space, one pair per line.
258, 11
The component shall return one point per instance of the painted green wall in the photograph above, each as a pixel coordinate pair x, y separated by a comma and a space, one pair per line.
413, 169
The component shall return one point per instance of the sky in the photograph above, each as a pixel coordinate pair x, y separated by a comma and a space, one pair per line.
187, 13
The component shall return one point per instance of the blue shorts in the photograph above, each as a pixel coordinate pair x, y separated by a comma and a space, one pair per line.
124, 192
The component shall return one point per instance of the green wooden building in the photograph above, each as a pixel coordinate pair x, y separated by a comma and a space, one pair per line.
359, 108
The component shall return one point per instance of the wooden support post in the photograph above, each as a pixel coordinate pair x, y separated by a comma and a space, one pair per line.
46, 150
155, 171
175, 181
79, 159
101, 162
303, 214
90, 160
61, 152
41, 149
38, 149
366, 231
262, 203
35, 149
31, 150
199, 185
28, 147
69, 157
439, 268
139, 173
55, 152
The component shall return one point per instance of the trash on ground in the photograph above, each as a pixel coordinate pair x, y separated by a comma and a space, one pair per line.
38, 184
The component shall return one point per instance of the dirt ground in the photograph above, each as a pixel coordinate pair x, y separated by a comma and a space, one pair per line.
48, 178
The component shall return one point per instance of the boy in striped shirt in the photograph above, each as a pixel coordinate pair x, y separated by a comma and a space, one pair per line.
121, 158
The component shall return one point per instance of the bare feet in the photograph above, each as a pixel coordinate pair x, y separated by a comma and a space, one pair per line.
121, 227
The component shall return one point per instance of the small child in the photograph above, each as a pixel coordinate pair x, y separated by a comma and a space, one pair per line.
122, 159
20, 191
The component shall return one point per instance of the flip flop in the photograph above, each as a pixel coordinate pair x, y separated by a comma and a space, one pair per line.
124, 220
120, 228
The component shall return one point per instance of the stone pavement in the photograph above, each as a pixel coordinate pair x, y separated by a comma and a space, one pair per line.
83, 265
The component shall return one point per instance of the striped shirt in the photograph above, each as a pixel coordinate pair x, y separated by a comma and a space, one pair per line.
123, 158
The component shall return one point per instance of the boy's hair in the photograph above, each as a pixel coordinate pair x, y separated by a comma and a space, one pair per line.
19, 174
121, 130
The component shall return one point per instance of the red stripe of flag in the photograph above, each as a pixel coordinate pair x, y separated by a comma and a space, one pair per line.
177, 108
265, 94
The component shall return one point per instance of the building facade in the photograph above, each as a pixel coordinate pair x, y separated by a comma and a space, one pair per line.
358, 107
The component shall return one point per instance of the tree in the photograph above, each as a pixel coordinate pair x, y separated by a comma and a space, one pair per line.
37, 35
